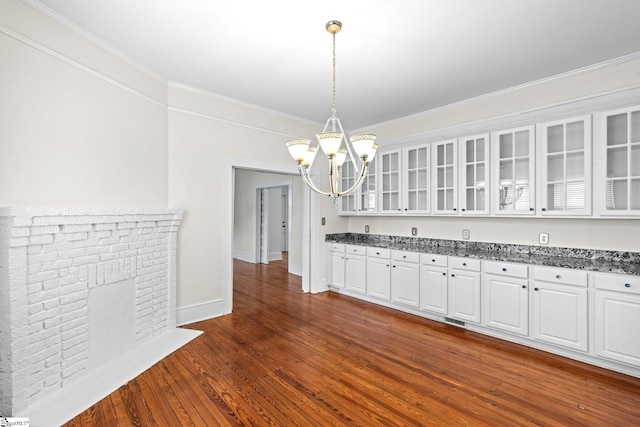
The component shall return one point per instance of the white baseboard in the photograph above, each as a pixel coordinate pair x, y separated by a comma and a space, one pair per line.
198, 312
62, 406
275, 256
245, 256
321, 286
295, 269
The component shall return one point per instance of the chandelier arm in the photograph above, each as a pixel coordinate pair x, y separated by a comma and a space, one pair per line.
363, 173
307, 179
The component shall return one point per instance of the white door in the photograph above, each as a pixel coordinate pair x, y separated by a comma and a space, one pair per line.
506, 304
464, 295
405, 283
433, 289
379, 277
617, 317
285, 220
355, 272
264, 225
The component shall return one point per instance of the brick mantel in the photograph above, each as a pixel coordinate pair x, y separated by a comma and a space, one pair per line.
51, 260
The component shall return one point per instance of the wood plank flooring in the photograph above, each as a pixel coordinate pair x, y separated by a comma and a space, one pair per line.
285, 358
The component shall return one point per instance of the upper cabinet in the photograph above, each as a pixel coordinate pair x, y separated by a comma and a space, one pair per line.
513, 178
474, 175
565, 167
390, 182
347, 204
618, 165
445, 177
364, 199
416, 169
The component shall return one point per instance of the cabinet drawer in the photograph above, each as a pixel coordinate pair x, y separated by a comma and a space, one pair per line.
336, 247
619, 283
561, 275
355, 250
506, 269
432, 259
379, 253
469, 264
405, 256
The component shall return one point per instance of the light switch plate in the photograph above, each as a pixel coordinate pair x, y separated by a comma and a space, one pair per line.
465, 234
414, 231
324, 221
366, 228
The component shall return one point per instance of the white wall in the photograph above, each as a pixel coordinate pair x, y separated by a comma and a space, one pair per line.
607, 234
78, 126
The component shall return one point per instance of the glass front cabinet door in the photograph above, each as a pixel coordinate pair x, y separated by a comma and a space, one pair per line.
445, 167
347, 204
367, 194
565, 167
474, 175
619, 163
513, 181
390, 191
416, 179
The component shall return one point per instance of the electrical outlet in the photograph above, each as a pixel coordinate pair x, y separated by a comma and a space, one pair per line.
465, 234
414, 231
366, 228
324, 221
544, 238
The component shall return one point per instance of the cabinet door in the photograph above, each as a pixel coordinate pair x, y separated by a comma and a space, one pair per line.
565, 167
619, 161
367, 194
464, 295
560, 315
336, 270
445, 177
405, 283
474, 175
433, 289
379, 278
347, 180
416, 179
617, 320
355, 273
513, 185
389, 163
506, 304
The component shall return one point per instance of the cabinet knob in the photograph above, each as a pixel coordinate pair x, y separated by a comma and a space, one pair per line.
454, 209
536, 289
524, 286
558, 276
444, 274
543, 209
464, 210
504, 269
433, 260
627, 285
453, 275
377, 253
464, 264
404, 256
531, 209
387, 265
394, 266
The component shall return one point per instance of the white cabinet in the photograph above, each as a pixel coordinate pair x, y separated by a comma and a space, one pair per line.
355, 268
618, 177
445, 177
364, 199
417, 183
347, 204
433, 283
565, 167
390, 182
367, 194
474, 175
379, 273
617, 305
505, 297
335, 265
559, 307
405, 278
513, 179
464, 289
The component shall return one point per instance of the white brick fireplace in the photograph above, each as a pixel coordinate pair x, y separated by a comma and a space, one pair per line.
78, 289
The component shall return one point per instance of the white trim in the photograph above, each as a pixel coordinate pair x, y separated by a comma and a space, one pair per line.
69, 61
244, 256
295, 269
275, 256
197, 312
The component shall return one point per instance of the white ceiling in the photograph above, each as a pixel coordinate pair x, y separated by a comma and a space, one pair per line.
394, 57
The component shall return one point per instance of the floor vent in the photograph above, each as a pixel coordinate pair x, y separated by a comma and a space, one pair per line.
455, 322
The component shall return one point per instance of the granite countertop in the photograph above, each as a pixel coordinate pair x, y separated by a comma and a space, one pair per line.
580, 259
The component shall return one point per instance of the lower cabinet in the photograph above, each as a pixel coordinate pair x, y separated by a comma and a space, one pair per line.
560, 311
379, 273
464, 289
505, 297
355, 268
405, 278
617, 306
335, 265
434, 283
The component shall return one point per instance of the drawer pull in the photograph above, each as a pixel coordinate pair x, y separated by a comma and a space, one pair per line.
464, 264
558, 276
536, 289
444, 274
433, 260
627, 285
504, 269
453, 275
404, 256
377, 253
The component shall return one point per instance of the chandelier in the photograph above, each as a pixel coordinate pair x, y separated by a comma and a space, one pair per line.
334, 143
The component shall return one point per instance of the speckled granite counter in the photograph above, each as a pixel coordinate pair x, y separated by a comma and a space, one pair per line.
581, 259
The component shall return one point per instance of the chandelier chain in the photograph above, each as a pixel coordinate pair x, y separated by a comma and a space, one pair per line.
333, 108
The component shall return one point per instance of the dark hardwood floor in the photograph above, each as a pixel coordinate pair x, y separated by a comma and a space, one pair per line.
285, 358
